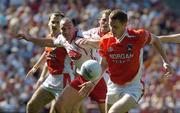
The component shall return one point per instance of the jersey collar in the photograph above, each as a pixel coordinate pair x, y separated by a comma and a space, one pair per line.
123, 36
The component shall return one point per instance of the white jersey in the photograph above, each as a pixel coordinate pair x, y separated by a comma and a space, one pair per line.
84, 51
93, 33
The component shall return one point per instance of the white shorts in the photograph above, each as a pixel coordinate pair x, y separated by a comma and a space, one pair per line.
54, 84
115, 91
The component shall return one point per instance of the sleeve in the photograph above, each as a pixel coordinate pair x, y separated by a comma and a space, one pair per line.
145, 37
86, 34
102, 47
92, 33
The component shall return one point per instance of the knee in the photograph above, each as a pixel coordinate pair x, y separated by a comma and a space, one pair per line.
117, 110
112, 111
59, 107
76, 109
31, 107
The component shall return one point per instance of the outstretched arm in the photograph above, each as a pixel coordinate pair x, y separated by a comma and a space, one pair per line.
94, 43
157, 44
38, 41
174, 38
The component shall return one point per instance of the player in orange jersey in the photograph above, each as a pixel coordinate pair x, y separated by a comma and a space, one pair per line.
122, 52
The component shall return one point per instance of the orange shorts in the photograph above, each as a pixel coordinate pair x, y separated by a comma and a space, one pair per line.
99, 92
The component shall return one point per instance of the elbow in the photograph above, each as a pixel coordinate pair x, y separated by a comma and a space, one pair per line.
156, 42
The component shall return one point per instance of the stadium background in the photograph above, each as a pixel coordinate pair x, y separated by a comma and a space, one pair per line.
162, 95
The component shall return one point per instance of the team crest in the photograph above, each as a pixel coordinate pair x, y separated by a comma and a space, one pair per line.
110, 49
129, 47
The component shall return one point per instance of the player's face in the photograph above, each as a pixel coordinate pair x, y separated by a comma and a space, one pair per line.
104, 23
54, 23
116, 27
67, 29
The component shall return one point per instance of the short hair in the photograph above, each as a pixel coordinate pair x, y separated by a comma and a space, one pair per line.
66, 19
57, 14
106, 12
120, 15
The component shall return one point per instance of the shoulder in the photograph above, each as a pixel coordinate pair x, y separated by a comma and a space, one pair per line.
107, 36
107, 39
91, 33
59, 41
60, 37
48, 49
136, 31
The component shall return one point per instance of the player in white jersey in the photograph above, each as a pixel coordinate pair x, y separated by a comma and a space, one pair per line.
99, 93
70, 92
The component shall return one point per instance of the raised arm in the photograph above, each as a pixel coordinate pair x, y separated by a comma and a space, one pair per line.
157, 44
174, 38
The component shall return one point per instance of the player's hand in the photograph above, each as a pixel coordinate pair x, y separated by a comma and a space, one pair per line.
21, 35
168, 68
86, 88
74, 55
31, 72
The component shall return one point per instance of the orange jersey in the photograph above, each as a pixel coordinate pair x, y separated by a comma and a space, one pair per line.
124, 56
56, 58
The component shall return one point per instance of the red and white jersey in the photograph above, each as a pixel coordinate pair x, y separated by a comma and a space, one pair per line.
58, 61
73, 47
124, 56
92, 33
95, 34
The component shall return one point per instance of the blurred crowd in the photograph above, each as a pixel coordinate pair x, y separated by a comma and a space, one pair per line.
162, 94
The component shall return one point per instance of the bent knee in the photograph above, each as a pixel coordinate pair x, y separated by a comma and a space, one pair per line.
76, 108
59, 107
31, 107
118, 110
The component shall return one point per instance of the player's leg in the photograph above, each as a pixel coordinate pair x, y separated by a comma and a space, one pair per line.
62, 80
123, 98
77, 108
68, 99
101, 107
123, 105
40, 98
99, 95
52, 110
